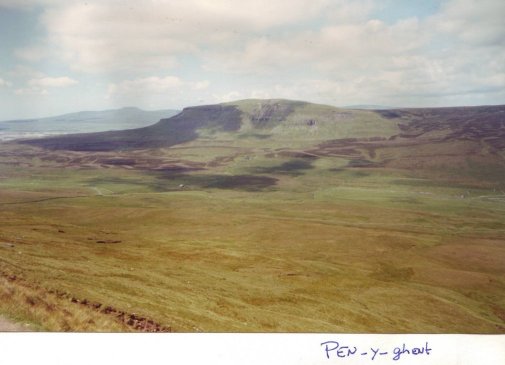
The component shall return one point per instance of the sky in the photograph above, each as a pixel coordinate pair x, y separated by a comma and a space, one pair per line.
60, 56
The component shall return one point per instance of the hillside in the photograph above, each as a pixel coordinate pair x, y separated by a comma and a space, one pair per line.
282, 119
248, 119
457, 140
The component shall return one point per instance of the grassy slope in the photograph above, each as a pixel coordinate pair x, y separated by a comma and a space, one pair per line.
263, 239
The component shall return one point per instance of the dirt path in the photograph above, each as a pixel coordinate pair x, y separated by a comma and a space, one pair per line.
9, 326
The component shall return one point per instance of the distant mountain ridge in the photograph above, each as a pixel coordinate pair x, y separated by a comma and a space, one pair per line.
285, 122
82, 122
245, 119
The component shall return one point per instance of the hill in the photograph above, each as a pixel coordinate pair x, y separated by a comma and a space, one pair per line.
292, 120
458, 140
273, 120
82, 122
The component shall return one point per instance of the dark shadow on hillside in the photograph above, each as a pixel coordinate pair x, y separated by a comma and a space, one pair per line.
226, 182
363, 163
170, 181
293, 168
389, 114
254, 135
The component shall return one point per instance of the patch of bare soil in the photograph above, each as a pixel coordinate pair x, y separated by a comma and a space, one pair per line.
7, 325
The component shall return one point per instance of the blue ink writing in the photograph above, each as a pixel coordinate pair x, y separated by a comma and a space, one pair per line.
415, 351
374, 352
341, 351
328, 349
334, 349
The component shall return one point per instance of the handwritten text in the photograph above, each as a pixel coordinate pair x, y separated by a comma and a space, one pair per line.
337, 350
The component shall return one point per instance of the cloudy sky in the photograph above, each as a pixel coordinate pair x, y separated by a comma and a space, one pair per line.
60, 56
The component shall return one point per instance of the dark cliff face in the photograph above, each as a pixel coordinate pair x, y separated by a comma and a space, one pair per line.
167, 132
267, 115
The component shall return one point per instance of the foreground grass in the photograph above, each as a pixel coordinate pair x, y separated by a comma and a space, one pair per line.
45, 311
232, 261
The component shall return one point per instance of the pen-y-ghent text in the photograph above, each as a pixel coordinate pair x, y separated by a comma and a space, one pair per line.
338, 350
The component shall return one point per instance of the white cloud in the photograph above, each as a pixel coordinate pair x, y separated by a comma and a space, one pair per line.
31, 91
156, 92
43, 82
475, 22
155, 85
201, 85
356, 48
147, 85
331, 51
24, 72
229, 96
39, 83
109, 36
32, 53
410, 62
350, 11
4, 83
